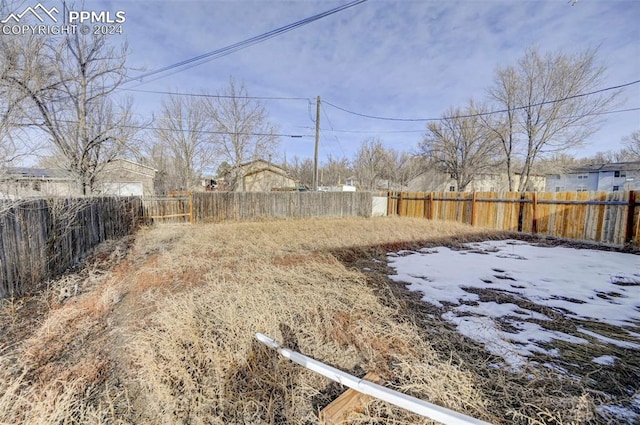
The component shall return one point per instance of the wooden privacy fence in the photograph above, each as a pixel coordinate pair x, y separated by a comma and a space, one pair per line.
168, 209
604, 217
223, 206
42, 238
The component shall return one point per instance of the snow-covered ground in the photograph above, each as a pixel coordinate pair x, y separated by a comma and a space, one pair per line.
581, 284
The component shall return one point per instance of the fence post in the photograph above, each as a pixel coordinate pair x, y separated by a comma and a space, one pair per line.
431, 206
473, 207
400, 204
191, 207
426, 204
534, 213
630, 216
389, 199
521, 211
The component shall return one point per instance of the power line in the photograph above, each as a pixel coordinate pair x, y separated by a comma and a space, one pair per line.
141, 127
224, 51
219, 96
483, 113
334, 136
618, 111
296, 136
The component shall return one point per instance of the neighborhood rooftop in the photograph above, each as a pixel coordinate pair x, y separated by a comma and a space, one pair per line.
45, 173
607, 167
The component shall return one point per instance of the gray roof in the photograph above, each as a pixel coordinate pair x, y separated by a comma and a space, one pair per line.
601, 168
38, 173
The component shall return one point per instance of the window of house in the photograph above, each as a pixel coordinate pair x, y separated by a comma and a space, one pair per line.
36, 186
616, 188
558, 189
582, 188
583, 176
452, 188
619, 174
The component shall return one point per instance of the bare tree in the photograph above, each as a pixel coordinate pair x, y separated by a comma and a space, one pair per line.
608, 157
459, 145
9, 152
301, 170
545, 111
183, 145
65, 87
244, 132
12, 63
335, 171
406, 167
502, 126
633, 144
372, 164
559, 163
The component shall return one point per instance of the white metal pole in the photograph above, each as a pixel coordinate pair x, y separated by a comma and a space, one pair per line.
415, 405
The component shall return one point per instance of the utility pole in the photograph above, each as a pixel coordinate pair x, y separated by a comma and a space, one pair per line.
315, 154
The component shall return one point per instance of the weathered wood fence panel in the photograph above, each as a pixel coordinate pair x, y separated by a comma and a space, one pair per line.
42, 238
223, 206
604, 217
174, 209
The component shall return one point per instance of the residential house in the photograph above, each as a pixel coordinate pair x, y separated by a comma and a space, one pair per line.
120, 177
258, 176
609, 177
123, 177
433, 180
24, 182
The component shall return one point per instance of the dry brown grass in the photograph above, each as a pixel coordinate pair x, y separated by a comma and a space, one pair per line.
165, 335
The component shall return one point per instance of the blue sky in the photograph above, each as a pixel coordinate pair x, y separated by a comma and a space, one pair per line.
408, 59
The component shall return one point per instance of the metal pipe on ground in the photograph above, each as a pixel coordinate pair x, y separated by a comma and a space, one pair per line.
415, 405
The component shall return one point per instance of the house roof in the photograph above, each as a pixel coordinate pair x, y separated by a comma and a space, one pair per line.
135, 163
38, 173
267, 166
622, 166
601, 168
56, 173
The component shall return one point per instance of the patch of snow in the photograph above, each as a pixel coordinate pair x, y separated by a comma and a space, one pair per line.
483, 330
579, 283
605, 360
556, 368
633, 334
567, 279
493, 309
622, 415
622, 344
